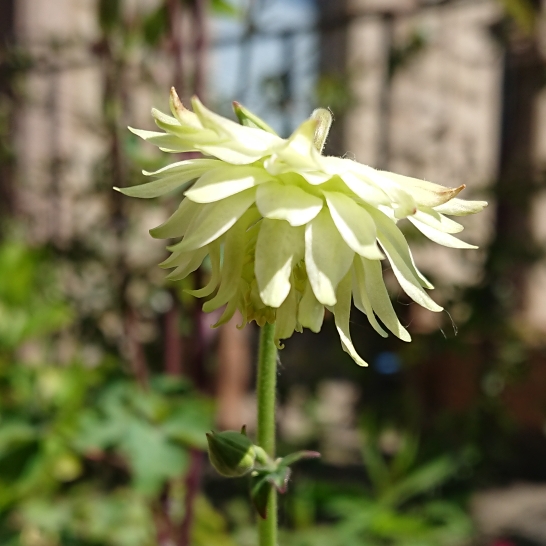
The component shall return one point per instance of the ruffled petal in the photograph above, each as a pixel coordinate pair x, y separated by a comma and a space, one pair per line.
354, 224
287, 202
327, 257
278, 248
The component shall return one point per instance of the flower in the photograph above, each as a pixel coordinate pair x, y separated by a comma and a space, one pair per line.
290, 232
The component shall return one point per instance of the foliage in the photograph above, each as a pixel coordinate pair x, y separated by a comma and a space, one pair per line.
85, 452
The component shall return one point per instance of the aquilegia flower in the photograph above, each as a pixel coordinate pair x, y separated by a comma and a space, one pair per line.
290, 232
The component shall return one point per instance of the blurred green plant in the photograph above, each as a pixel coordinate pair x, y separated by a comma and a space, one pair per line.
399, 506
86, 454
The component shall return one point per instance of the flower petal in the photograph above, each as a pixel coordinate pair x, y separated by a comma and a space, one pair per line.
425, 193
367, 192
192, 169
286, 202
228, 313
278, 248
460, 207
391, 231
380, 300
327, 257
361, 296
310, 310
181, 113
438, 221
342, 311
285, 318
224, 181
234, 254
177, 224
182, 167
403, 201
354, 224
190, 263
165, 141
247, 137
214, 252
404, 273
439, 236
214, 219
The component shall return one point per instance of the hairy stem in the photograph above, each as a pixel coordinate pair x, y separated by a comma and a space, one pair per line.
266, 390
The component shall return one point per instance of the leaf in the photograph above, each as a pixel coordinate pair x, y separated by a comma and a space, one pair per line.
152, 457
260, 490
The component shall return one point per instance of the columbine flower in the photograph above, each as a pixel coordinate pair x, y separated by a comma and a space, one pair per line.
288, 230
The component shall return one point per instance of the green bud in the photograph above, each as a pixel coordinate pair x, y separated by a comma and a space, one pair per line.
231, 453
247, 118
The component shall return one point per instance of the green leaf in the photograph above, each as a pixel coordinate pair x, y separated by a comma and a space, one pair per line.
260, 489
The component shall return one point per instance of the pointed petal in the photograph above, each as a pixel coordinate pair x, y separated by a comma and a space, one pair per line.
278, 248
404, 273
327, 257
182, 114
249, 137
310, 311
285, 318
247, 118
225, 181
425, 193
182, 177
234, 254
193, 261
342, 311
367, 192
380, 300
214, 219
214, 253
361, 297
228, 313
286, 202
439, 236
354, 224
231, 153
460, 207
438, 221
177, 224
167, 142
391, 231
183, 166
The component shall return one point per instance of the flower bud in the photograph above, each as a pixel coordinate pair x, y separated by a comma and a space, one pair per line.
231, 453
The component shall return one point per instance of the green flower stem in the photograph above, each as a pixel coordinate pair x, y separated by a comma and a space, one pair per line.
266, 391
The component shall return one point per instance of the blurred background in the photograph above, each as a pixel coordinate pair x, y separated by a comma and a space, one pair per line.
110, 376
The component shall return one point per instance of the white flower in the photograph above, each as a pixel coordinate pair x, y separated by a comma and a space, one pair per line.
288, 230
